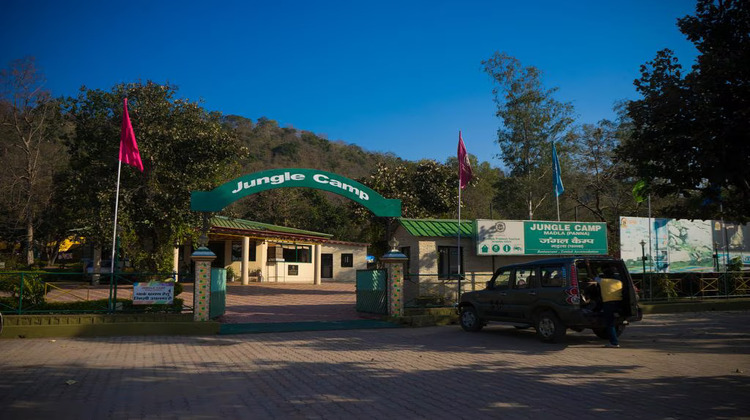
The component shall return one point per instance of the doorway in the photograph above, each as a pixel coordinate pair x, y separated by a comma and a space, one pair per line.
326, 266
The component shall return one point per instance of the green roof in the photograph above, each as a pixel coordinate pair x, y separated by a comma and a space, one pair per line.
242, 224
437, 227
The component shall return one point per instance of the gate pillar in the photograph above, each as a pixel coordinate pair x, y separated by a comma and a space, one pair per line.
202, 286
394, 262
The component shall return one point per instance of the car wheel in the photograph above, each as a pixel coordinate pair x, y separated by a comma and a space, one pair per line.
470, 320
549, 328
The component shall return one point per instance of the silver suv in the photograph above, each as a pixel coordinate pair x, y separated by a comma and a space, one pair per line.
551, 295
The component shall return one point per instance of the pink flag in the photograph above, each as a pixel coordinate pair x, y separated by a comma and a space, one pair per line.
464, 167
128, 147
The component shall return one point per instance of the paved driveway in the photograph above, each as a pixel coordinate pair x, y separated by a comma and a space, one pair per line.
671, 366
285, 302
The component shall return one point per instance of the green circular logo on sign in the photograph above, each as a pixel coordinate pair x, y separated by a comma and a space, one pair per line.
506, 248
495, 248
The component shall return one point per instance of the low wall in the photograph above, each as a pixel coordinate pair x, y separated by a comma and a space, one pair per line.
92, 325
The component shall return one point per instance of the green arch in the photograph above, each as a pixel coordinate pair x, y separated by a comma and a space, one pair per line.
223, 195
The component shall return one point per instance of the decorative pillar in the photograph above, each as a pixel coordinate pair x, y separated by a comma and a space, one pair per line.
202, 286
394, 262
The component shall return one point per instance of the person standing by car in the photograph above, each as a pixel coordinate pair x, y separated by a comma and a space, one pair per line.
611, 291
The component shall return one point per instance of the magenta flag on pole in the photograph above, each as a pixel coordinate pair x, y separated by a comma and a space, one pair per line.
464, 166
128, 147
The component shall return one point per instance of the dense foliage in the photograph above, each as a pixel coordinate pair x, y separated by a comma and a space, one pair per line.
687, 137
183, 147
691, 131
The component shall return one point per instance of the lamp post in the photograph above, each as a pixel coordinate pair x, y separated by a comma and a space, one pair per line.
643, 260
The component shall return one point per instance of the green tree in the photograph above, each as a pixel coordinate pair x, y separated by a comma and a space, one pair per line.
477, 198
531, 119
691, 132
30, 152
597, 187
183, 148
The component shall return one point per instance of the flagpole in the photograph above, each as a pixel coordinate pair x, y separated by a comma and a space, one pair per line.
557, 179
114, 236
459, 235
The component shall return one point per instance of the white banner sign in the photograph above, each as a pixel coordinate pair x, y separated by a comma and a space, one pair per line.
152, 293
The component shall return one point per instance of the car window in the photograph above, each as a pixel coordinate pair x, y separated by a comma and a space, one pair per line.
583, 272
525, 278
552, 276
608, 269
502, 280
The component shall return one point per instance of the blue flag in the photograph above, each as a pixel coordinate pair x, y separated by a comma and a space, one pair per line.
559, 189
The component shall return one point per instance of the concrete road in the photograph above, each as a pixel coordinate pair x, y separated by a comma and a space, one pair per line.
671, 366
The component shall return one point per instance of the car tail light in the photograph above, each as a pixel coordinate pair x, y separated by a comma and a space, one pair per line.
573, 293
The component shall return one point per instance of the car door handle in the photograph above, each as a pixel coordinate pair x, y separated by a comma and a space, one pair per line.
503, 294
532, 293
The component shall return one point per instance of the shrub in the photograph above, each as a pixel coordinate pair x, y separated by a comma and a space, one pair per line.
664, 287
27, 286
231, 275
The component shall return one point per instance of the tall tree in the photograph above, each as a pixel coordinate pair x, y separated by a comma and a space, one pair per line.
531, 119
183, 147
691, 133
30, 150
598, 187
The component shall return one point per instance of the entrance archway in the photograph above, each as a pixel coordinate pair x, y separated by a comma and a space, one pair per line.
224, 195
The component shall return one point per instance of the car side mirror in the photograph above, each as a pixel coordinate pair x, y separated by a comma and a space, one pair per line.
489, 285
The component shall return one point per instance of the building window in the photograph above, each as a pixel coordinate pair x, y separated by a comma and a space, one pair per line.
448, 262
297, 253
347, 260
237, 251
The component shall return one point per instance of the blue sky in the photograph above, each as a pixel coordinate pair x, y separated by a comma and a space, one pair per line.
389, 76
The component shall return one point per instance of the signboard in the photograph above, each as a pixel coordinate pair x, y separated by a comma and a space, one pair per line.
152, 293
528, 237
680, 245
223, 195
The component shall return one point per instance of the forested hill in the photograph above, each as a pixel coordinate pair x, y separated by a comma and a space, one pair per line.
422, 187
270, 146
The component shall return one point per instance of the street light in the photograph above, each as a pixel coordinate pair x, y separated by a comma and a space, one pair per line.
643, 260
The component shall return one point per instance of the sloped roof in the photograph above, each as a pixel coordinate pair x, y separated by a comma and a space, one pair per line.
437, 227
220, 223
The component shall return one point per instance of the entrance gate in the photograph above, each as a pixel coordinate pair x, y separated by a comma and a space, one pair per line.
372, 291
374, 287
218, 302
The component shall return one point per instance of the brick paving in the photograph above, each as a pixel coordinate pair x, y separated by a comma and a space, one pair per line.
256, 302
285, 302
671, 366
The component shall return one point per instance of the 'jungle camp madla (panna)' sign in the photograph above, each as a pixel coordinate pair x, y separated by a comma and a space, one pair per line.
528, 237
153, 293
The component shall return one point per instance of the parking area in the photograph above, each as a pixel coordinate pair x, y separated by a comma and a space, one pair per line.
670, 366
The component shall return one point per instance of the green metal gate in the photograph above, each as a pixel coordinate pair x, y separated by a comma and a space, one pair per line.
218, 301
372, 291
